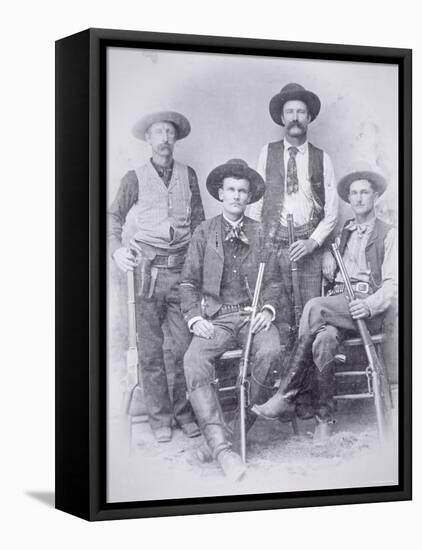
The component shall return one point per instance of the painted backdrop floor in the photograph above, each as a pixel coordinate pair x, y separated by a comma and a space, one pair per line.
278, 460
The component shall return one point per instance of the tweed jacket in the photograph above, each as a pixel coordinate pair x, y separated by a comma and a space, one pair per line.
203, 269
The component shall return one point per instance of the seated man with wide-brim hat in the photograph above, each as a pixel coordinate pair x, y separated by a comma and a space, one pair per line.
369, 250
217, 286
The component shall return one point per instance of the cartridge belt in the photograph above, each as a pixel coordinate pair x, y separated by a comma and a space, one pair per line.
233, 308
301, 232
361, 287
170, 261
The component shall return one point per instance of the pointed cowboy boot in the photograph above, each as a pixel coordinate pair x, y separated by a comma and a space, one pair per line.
208, 412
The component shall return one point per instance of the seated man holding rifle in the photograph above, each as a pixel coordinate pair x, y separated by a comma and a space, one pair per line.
368, 248
217, 287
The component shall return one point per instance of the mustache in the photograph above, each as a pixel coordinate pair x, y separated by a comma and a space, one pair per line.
164, 147
295, 123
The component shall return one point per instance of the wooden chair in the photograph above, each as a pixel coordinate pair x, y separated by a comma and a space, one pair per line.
354, 378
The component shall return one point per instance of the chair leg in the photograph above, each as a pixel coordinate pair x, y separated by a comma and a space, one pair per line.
387, 385
295, 425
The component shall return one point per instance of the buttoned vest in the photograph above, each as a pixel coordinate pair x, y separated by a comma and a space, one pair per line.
161, 217
374, 251
275, 180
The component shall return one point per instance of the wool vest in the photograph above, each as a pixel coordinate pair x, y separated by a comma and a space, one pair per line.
275, 180
161, 216
374, 251
214, 258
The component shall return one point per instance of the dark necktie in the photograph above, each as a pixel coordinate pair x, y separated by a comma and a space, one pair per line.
165, 172
291, 180
236, 232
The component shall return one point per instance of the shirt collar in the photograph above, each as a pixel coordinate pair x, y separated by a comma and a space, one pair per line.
301, 148
162, 169
369, 225
233, 224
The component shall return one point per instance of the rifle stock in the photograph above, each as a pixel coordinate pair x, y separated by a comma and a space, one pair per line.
244, 363
376, 369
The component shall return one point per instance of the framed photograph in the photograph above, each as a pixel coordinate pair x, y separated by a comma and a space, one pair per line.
233, 274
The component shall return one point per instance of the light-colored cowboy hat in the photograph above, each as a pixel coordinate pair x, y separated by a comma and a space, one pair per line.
237, 168
291, 92
378, 181
180, 122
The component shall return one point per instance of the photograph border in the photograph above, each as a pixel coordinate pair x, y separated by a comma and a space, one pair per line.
81, 199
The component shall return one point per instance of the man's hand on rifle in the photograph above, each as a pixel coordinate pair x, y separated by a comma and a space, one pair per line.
301, 248
124, 259
262, 320
203, 329
359, 309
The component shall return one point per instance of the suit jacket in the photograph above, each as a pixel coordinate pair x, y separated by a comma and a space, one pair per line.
203, 269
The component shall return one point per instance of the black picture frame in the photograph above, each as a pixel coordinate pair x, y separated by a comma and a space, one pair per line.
81, 274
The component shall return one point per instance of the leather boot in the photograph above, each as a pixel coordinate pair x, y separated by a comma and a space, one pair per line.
293, 380
208, 412
325, 408
322, 432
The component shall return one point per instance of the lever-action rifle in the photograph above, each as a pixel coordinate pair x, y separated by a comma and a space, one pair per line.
375, 368
132, 352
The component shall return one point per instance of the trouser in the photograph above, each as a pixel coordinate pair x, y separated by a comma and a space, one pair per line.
309, 271
329, 319
231, 330
151, 313
310, 278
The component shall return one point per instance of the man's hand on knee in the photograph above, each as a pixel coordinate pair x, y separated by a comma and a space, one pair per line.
203, 329
359, 309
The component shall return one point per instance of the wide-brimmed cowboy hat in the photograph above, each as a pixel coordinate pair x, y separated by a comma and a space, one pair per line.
236, 168
378, 181
291, 92
180, 122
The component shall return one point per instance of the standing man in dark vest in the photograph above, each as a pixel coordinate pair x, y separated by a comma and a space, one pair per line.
151, 220
299, 181
369, 250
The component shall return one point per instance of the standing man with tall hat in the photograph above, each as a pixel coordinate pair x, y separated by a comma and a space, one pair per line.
150, 223
369, 250
300, 181
217, 285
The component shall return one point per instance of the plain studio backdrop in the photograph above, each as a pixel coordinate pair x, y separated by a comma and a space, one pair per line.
27, 229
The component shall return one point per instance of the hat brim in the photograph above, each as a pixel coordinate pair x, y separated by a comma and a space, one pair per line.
180, 122
378, 181
277, 102
216, 177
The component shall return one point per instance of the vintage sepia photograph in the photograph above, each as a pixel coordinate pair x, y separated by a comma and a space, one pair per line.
252, 274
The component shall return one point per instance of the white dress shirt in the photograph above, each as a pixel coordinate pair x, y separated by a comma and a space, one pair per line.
354, 258
301, 203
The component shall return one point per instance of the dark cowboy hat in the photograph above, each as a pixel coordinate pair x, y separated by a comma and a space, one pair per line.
293, 91
236, 168
180, 122
378, 181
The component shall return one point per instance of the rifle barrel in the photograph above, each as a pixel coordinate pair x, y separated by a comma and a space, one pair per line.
243, 371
